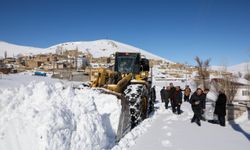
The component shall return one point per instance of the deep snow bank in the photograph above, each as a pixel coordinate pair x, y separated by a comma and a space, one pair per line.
49, 116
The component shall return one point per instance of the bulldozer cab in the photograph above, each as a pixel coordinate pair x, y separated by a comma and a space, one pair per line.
130, 63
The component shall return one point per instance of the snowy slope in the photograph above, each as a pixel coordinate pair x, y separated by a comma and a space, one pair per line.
98, 48
244, 68
105, 48
13, 49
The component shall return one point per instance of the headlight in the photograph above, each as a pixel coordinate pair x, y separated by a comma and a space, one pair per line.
143, 74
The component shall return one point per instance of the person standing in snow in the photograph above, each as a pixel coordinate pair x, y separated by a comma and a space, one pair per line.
171, 94
220, 107
187, 92
203, 103
167, 95
195, 101
177, 100
163, 94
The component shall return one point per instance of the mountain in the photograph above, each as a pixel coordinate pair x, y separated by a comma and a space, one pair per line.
98, 48
13, 49
101, 48
243, 68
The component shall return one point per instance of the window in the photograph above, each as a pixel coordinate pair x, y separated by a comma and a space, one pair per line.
245, 93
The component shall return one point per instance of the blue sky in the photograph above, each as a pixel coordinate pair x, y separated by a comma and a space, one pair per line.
178, 30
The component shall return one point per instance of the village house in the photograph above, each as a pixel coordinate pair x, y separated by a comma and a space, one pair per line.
241, 100
242, 85
9, 60
45, 60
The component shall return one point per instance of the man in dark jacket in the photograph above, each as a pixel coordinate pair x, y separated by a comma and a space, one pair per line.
220, 107
177, 100
163, 94
203, 103
195, 101
167, 96
171, 95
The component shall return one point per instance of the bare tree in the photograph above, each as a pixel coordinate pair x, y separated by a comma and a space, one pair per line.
239, 74
230, 86
203, 73
247, 76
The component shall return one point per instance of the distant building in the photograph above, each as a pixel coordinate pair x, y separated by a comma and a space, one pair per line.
243, 92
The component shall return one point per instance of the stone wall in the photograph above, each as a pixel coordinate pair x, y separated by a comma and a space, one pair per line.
235, 111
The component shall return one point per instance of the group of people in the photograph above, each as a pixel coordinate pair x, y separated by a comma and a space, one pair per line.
173, 95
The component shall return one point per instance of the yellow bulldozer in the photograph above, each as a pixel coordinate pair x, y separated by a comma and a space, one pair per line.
129, 80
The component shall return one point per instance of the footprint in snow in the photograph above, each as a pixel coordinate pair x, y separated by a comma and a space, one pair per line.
169, 134
166, 143
169, 122
165, 127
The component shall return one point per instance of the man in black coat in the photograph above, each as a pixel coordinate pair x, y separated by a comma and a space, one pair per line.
163, 94
177, 100
171, 95
203, 103
196, 100
167, 96
220, 107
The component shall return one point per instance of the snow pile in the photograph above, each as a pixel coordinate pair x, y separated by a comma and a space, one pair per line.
50, 116
243, 122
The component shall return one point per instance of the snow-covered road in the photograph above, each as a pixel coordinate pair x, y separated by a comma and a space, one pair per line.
175, 132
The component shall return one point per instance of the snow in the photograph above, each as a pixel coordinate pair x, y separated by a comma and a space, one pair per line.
243, 68
242, 123
103, 48
45, 113
165, 130
13, 49
98, 48
53, 115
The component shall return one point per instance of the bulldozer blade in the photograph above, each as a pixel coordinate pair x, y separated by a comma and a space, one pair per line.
124, 125
106, 91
